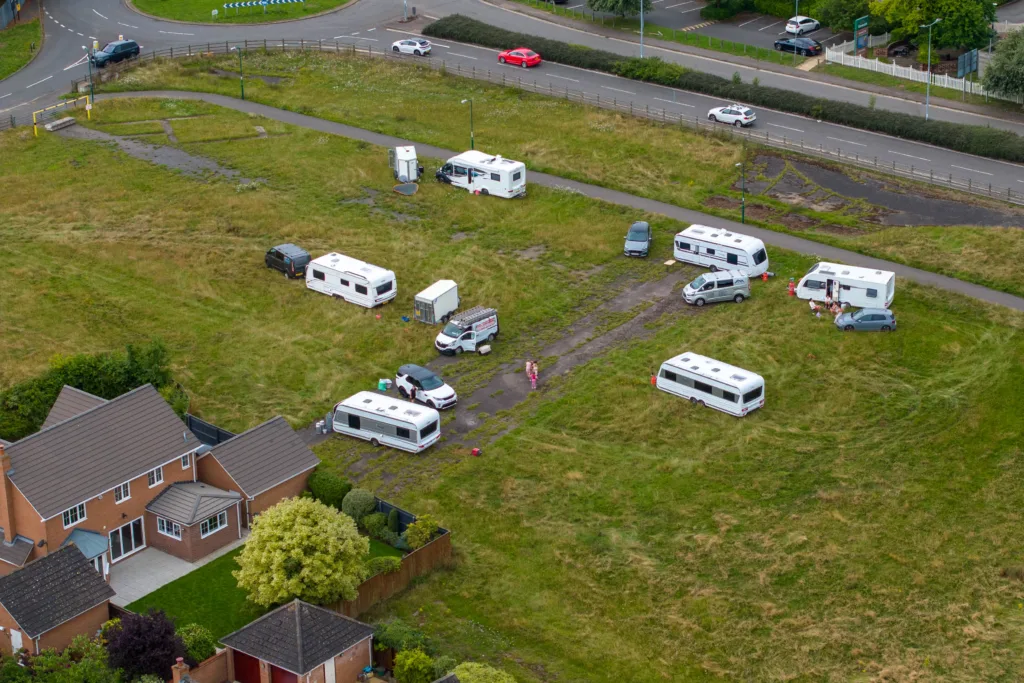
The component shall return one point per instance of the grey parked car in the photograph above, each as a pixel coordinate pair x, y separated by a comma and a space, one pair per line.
721, 285
638, 239
867, 319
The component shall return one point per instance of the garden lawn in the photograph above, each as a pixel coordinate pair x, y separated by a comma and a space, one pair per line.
16, 46
578, 142
201, 11
381, 549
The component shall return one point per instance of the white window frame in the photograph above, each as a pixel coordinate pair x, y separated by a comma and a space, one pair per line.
186, 461
220, 524
124, 490
78, 510
156, 476
167, 528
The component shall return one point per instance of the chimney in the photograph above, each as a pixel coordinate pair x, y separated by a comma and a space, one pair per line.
179, 672
6, 493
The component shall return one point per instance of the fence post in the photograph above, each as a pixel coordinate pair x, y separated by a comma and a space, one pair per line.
264, 44
172, 52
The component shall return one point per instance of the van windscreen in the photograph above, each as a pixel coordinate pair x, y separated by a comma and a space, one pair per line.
698, 283
451, 330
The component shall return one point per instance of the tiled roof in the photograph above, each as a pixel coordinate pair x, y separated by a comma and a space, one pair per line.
54, 589
298, 637
16, 553
95, 451
91, 544
190, 502
71, 402
264, 456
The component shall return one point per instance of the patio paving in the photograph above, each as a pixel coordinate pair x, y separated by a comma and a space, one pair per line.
141, 574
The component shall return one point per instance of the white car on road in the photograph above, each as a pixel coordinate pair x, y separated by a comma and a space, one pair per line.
800, 25
734, 114
411, 46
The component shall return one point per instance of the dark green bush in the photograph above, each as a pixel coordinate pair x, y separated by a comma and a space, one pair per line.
725, 9
398, 635
328, 488
652, 69
375, 523
394, 523
358, 503
387, 564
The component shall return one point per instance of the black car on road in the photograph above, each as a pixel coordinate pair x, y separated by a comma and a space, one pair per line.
289, 259
116, 51
802, 46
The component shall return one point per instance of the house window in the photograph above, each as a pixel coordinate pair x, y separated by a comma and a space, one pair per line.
168, 528
185, 463
122, 493
155, 476
213, 524
74, 515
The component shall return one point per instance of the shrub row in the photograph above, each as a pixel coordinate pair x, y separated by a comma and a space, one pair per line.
726, 9
979, 140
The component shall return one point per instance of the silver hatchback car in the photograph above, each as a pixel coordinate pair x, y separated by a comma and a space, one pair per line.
880, 319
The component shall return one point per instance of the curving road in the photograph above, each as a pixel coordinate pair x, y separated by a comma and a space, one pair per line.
72, 24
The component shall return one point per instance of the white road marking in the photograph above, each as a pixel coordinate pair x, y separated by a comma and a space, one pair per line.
564, 78
356, 33
78, 63
9, 94
908, 155
128, 25
430, 17
100, 15
749, 22
846, 142
575, 6
175, 33
38, 82
617, 90
795, 130
770, 25
93, 38
962, 168
336, 37
689, 2
681, 104
456, 54
684, 11
371, 29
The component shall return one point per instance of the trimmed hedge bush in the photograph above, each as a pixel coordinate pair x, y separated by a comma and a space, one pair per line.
726, 9
328, 488
394, 521
358, 503
385, 564
979, 140
375, 523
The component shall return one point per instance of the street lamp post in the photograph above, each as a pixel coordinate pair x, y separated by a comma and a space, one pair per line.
991, 35
88, 60
241, 81
472, 144
641, 29
743, 189
928, 86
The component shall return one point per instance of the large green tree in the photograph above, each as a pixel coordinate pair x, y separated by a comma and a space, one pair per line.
1005, 73
839, 15
965, 23
623, 8
301, 548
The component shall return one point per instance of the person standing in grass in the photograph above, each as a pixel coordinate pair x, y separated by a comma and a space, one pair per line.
529, 369
533, 377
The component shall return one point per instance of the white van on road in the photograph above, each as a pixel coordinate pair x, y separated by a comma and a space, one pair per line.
387, 421
720, 250
708, 382
860, 287
468, 330
485, 174
351, 279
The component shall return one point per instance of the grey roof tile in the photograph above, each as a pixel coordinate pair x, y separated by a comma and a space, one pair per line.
16, 553
264, 456
71, 402
190, 502
91, 543
298, 636
95, 451
49, 591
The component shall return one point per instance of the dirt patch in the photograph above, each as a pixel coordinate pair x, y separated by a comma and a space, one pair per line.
842, 230
459, 236
797, 221
720, 202
166, 125
532, 253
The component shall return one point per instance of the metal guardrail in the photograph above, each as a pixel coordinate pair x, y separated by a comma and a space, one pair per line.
662, 115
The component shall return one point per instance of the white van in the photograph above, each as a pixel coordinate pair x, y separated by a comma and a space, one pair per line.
860, 287
351, 279
707, 382
380, 419
720, 250
485, 174
468, 330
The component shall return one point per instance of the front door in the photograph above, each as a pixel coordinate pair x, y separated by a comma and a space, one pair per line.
126, 540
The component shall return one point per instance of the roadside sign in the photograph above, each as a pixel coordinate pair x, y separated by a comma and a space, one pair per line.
860, 35
967, 63
88, 107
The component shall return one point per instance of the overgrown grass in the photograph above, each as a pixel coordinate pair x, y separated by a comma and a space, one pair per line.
875, 78
201, 11
16, 46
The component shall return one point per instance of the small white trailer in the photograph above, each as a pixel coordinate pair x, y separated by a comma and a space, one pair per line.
485, 174
437, 303
404, 165
859, 287
350, 279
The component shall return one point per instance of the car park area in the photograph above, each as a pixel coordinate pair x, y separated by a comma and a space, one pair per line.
762, 31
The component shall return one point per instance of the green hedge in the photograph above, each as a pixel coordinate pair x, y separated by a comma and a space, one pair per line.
979, 140
726, 9
784, 8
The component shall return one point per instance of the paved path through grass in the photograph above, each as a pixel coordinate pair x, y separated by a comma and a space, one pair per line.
769, 237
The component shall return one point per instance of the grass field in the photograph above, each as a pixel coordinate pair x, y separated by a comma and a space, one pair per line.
201, 10
588, 144
16, 46
874, 78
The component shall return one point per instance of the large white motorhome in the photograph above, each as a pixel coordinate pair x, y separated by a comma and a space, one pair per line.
860, 287
485, 174
708, 382
351, 279
380, 419
720, 250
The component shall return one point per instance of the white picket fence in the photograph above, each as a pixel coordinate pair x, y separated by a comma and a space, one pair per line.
1003, 27
873, 41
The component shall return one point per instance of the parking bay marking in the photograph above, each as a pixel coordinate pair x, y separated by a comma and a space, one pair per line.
564, 78
456, 54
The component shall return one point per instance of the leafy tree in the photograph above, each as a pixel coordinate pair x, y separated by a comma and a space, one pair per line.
965, 23
200, 644
84, 661
144, 644
421, 531
358, 503
150, 678
301, 548
375, 523
472, 672
394, 521
623, 8
1005, 73
11, 672
839, 15
398, 635
414, 666
328, 488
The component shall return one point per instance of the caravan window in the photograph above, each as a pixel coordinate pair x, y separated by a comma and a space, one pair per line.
872, 293
700, 386
353, 421
402, 432
669, 375
343, 281
685, 246
495, 176
386, 287
752, 395
732, 258
361, 289
517, 175
317, 275
729, 396
760, 257
429, 429
460, 170
710, 252
814, 284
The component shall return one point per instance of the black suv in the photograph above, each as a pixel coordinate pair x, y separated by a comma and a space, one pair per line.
116, 51
289, 259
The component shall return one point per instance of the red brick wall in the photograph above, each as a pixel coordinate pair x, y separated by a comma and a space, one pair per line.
86, 623
271, 497
350, 663
192, 546
213, 670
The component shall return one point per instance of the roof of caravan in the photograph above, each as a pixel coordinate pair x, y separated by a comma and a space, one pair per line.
722, 237
486, 160
871, 275
710, 368
437, 289
348, 264
382, 404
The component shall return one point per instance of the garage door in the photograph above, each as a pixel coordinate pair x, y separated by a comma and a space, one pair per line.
282, 676
247, 669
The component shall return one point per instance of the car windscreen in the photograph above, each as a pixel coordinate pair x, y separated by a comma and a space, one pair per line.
637, 235
451, 330
858, 315
109, 48
698, 283
430, 383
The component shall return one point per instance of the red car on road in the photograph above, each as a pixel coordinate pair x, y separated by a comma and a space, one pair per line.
521, 56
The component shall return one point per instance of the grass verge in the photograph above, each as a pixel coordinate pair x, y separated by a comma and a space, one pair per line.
16, 46
200, 11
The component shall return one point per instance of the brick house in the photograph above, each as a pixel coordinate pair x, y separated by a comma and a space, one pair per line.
299, 643
49, 601
192, 519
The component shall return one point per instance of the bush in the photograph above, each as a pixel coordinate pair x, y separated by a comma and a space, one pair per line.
200, 644
383, 565
398, 635
421, 531
651, 69
390, 537
394, 522
443, 666
375, 523
471, 672
144, 644
358, 503
414, 666
725, 9
328, 488
150, 678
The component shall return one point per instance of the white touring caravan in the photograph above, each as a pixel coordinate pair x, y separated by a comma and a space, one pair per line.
860, 287
351, 279
707, 382
380, 419
437, 303
720, 250
485, 174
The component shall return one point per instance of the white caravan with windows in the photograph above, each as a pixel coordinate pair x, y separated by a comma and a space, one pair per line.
860, 287
380, 419
720, 250
707, 382
352, 280
485, 174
